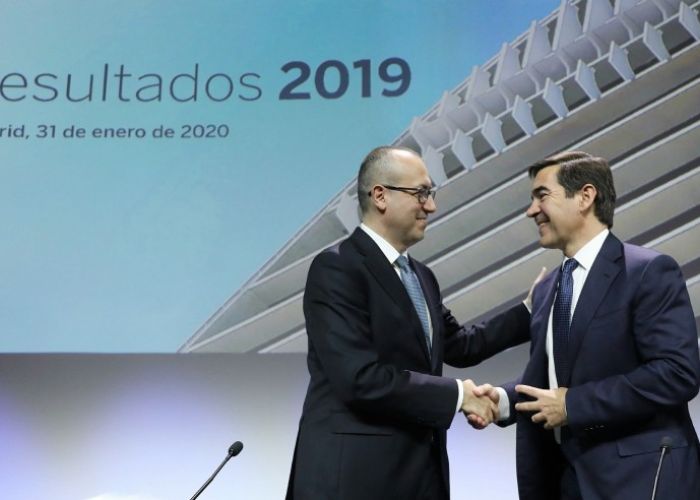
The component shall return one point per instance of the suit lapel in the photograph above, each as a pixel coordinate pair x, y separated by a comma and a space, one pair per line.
386, 276
536, 371
542, 308
606, 267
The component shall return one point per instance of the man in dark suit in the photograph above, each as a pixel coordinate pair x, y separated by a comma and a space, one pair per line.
614, 355
377, 408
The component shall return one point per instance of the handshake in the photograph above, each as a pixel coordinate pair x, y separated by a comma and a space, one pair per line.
545, 406
480, 404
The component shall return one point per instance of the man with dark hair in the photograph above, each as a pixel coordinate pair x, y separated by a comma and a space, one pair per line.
577, 168
374, 419
614, 356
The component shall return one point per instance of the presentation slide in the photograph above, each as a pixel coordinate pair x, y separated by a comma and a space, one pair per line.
154, 155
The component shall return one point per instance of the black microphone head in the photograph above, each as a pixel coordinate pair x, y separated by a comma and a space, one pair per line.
666, 442
235, 449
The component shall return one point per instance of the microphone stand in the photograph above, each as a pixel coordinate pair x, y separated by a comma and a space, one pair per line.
234, 450
665, 445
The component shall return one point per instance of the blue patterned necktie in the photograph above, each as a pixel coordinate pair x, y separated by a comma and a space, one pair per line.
410, 281
561, 321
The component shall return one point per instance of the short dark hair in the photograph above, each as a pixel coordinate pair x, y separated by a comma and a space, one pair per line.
576, 169
374, 170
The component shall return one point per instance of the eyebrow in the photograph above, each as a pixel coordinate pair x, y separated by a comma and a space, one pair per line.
539, 191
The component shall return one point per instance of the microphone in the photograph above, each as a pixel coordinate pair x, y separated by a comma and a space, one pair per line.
666, 443
233, 450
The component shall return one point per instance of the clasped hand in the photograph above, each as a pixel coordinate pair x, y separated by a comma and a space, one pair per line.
480, 408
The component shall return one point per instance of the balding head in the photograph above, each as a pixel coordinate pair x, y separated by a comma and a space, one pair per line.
379, 167
396, 195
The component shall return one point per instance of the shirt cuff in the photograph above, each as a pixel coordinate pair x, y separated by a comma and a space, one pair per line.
460, 395
503, 405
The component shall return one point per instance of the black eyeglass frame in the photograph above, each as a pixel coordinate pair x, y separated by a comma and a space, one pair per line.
422, 193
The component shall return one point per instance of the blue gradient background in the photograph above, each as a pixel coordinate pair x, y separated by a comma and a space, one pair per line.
129, 245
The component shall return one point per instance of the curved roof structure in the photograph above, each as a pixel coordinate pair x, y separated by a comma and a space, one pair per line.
618, 79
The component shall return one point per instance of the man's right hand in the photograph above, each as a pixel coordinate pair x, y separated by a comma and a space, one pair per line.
480, 409
484, 391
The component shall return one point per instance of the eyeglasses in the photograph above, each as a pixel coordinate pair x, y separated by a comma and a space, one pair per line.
422, 193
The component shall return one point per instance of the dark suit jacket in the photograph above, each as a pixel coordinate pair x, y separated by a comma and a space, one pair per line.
633, 353
376, 406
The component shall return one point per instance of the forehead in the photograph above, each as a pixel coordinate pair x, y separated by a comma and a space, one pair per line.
546, 178
410, 169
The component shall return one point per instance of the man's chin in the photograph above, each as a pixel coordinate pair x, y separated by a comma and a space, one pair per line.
547, 243
416, 237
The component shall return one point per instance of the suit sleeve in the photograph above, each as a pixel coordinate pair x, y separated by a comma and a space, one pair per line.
668, 375
338, 325
509, 388
469, 346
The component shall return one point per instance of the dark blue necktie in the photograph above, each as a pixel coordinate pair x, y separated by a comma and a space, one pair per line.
410, 281
561, 320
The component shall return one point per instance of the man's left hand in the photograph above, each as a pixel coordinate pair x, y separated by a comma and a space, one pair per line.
540, 277
549, 405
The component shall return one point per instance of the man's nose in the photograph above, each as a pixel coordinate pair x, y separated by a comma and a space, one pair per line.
429, 205
533, 209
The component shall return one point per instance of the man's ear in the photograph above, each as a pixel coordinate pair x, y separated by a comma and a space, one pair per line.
588, 196
379, 197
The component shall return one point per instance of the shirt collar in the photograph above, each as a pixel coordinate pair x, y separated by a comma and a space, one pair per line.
588, 252
389, 251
